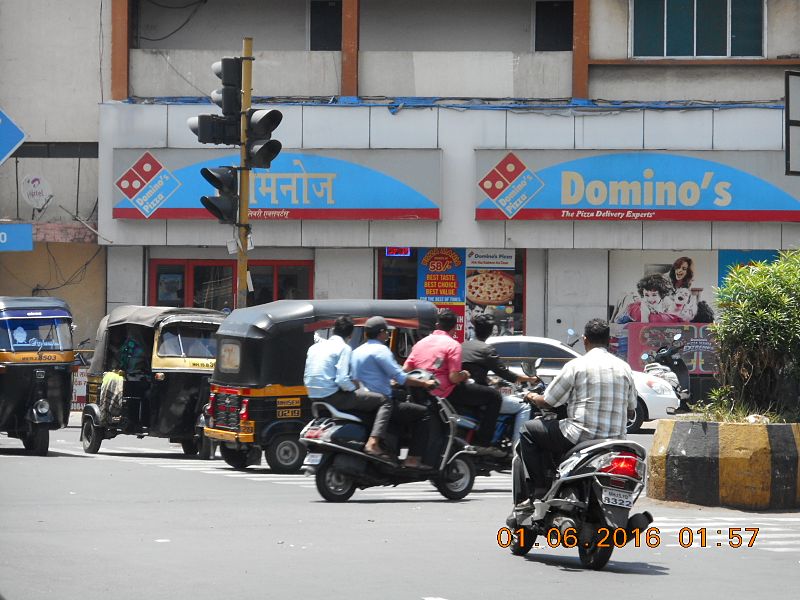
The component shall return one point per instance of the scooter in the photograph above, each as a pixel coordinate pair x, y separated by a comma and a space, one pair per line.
588, 504
513, 413
667, 363
336, 457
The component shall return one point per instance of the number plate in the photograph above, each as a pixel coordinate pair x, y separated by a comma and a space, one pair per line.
312, 459
617, 498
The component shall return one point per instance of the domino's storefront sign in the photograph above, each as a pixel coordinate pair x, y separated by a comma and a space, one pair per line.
16, 237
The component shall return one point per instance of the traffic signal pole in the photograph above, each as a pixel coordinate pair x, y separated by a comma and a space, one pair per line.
244, 176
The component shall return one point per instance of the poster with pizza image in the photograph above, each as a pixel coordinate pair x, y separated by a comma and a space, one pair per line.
490, 288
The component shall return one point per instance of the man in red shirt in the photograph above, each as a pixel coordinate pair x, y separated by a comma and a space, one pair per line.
440, 354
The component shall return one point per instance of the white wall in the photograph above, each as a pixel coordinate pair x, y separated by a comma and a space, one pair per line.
344, 273
125, 278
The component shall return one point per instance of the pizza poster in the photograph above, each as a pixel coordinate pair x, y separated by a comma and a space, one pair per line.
490, 288
440, 275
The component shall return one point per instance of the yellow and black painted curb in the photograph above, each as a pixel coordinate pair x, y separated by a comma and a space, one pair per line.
726, 464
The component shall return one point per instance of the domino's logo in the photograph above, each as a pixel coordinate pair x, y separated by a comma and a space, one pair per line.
511, 185
147, 184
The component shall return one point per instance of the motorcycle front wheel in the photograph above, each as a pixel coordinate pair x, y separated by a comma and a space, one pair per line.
522, 540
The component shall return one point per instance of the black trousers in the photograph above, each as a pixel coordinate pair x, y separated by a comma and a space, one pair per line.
541, 444
364, 401
473, 395
422, 425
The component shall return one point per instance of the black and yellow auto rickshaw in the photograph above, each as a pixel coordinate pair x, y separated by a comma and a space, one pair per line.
258, 400
149, 376
36, 356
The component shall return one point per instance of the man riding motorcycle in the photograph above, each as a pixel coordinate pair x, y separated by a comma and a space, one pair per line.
599, 393
479, 358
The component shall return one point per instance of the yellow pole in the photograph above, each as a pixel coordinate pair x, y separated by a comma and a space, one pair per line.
244, 176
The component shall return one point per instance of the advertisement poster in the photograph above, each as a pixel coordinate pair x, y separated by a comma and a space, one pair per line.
665, 291
490, 287
698, 349
440, 279
733, 258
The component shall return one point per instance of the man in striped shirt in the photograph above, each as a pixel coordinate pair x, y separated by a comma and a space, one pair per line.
599, 394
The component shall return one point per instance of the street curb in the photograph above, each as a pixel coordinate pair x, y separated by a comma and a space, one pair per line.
735, 465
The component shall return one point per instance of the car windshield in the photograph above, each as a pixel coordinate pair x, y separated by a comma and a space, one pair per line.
184, 340
35, 334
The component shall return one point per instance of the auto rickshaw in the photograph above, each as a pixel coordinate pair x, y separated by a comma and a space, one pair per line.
149, 376
36, 356
258, 400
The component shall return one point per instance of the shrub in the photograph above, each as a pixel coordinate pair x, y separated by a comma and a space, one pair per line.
758, 337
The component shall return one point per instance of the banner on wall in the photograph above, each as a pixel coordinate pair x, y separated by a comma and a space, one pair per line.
374, 184
661, 290
734, 258
699, 352
441, 280
490, 288
632, 186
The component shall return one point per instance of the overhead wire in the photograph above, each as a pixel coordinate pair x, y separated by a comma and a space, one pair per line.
196, 5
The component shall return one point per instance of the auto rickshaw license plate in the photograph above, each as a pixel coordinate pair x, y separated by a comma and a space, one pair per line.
313, 459
247, 427
288, 413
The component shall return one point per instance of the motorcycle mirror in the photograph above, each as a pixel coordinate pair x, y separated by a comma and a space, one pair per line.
529, 367
676, 337
645, 356
570, 331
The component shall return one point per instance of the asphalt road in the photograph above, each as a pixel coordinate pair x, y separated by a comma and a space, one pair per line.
140, 520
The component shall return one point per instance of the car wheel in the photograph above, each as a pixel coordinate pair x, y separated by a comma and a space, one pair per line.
635, 424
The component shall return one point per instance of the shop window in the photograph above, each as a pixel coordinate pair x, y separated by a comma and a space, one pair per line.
212, 283
701, 28
325, 25
552, 26
398, 277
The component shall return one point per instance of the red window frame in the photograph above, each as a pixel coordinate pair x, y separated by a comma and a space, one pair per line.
189, 265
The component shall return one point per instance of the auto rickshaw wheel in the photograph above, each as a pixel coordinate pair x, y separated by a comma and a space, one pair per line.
234, 458
190, 447
332, 484
285, 454
91, 435
37, 442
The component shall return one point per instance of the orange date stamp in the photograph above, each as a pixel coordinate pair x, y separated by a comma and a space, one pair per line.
732, 537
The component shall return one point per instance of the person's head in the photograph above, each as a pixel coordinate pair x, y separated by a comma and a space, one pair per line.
653, 288
375, 328
681, 273
447, 320
343, 327
596, 333
483, 326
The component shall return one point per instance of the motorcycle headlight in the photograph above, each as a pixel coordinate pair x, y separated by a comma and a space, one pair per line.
42, 407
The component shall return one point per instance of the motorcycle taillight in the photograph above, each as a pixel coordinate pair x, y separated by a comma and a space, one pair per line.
244, 411
624, 463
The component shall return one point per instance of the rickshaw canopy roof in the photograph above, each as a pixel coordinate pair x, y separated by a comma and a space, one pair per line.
151, 316
34, 303
283, 316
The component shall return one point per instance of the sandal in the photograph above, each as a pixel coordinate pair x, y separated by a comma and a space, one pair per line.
382, 454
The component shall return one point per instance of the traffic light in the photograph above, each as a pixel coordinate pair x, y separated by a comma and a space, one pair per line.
261, 148
229, 96
225, 205
225, 129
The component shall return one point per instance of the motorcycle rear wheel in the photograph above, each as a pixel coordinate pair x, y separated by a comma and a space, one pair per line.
234, 458
332, 484
457, 479
594, 557
529, 539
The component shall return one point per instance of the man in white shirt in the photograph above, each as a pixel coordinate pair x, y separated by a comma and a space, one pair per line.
599, 393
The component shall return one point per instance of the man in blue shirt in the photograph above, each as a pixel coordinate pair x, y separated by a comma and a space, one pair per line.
374, 366
327, 378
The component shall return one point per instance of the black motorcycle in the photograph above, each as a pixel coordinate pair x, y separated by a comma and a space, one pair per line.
335, 442
588, 504
667, 363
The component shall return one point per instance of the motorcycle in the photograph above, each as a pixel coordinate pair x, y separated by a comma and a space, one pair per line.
513, 413
667, 363
588, 504
335, 442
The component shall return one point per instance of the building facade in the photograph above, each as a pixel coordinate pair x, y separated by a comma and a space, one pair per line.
537, 159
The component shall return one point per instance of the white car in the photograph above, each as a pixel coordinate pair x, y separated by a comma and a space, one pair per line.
655, 395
